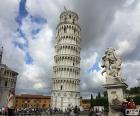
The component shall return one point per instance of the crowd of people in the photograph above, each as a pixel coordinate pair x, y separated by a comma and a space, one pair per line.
95, 112
70, 111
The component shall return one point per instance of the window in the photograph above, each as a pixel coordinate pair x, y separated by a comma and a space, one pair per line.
65, 19
43, 105
73, 21
5, 84
61, 87
64, 29
4, 72
70, 16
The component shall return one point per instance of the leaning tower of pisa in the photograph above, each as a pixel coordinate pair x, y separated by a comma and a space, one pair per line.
66, 80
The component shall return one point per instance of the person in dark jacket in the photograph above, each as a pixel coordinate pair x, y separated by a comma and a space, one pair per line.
75, 111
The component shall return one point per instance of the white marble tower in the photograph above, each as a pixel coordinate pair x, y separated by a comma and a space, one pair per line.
66, 81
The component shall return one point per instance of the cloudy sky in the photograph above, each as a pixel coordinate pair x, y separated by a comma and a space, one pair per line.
27, 32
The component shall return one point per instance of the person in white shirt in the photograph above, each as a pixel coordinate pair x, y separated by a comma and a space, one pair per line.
11, 102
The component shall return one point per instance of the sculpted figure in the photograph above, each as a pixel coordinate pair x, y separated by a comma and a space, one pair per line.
105, 65
113, 71
111, 63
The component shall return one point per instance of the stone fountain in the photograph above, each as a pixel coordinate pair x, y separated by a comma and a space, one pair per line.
115, 84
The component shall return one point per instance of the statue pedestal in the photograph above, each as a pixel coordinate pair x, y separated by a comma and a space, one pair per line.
115, 90
114, 113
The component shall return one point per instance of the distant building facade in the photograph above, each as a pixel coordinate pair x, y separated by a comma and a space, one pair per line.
85, 103
66, 80
8, 79
32, 101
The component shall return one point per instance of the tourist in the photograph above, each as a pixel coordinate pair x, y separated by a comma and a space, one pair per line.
78, 111
124, 107
91, 112
131, 104
100, 113
75, 111
51, 111
11, 102
68, 111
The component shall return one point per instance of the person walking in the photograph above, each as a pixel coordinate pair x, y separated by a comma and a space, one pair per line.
68, 112
91, 112
11, 102
124, 107
51, 111
75, 111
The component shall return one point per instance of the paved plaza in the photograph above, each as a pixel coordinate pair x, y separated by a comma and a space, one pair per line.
48, 115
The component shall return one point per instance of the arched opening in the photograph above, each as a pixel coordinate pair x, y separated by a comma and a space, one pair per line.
64, 29
6, 83
61, 87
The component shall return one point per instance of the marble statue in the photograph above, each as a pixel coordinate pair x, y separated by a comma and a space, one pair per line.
111, 64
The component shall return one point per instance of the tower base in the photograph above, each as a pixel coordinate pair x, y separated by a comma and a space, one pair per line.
64, 100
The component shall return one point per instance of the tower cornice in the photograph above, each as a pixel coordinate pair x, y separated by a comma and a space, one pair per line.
68, 55
68, 44
68, 23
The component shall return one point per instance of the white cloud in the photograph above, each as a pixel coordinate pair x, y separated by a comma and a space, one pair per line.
13, 57
91, 81
125, 29
88, 62
125, 47
8, 12
131, 72
40, 49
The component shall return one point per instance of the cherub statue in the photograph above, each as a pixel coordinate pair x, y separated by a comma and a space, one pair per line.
111, 63
105, 65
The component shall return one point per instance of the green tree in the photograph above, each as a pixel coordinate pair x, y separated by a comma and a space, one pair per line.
137, 100
134, 90
99, 95
91, 101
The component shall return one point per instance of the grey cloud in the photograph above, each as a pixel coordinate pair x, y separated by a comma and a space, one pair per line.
134, 55
95, 18
131, 72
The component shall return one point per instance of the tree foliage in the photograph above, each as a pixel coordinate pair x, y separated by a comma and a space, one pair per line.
137, 100
91, 101
133, 90
99, 101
